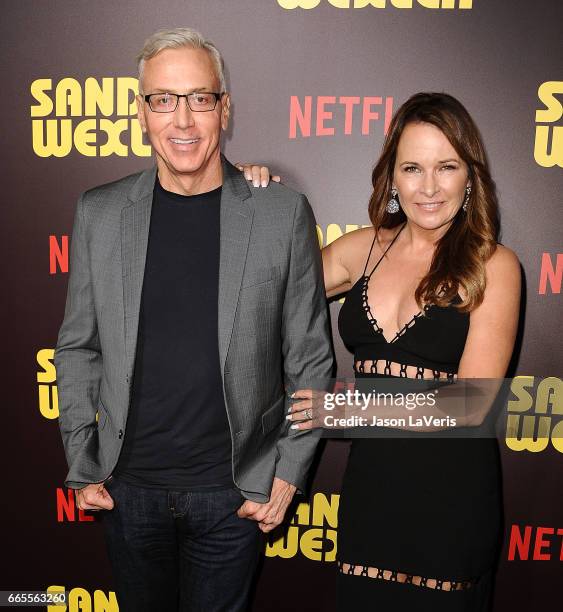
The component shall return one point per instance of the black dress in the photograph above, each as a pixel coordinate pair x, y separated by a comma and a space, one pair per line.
419, 518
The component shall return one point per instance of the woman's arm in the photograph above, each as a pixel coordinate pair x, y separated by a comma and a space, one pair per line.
493, 324
336, 273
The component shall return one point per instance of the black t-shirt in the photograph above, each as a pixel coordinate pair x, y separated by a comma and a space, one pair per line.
177, 434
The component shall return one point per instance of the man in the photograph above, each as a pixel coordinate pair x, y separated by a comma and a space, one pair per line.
193, 303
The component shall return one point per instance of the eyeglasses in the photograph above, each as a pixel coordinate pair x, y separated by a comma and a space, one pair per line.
198, 101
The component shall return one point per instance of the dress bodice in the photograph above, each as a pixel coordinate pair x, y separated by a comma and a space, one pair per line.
434, 338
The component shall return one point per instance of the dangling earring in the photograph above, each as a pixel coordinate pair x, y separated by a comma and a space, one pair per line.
393, 204
466, 200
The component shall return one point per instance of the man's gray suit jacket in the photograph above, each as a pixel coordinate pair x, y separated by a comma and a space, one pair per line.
273, 331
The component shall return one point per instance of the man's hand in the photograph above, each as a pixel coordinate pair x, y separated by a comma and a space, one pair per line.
270, 515
93, 497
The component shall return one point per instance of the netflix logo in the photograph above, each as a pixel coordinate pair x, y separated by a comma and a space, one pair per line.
67, 510
530, 543
551, 273
339, 115
58, 254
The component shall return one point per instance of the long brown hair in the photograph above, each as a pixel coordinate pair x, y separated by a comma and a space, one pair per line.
460, 255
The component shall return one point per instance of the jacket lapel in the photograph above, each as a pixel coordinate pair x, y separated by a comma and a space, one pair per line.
236, 223
135, 221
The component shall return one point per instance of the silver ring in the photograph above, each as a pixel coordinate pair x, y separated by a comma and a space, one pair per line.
309, 413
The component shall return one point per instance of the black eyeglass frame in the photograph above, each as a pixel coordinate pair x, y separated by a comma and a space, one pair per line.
147, 99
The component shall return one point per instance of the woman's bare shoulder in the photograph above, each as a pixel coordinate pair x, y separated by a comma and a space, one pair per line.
361, 238
349, 244
353, 248
354, 238
503, 265
502, 270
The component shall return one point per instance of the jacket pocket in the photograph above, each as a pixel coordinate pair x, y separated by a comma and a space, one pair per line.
259, 276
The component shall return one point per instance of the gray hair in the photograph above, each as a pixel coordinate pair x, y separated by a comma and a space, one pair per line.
175, 39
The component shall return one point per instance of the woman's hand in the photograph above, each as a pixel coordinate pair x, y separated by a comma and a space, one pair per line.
311, 409
301, 411
259, 175
308, 409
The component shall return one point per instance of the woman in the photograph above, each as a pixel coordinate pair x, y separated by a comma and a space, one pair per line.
430, 294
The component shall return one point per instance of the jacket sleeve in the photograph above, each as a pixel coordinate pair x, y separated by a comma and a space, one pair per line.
306, 341
78, 358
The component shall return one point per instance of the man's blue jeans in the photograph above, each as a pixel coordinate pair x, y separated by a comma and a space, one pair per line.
176, 551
